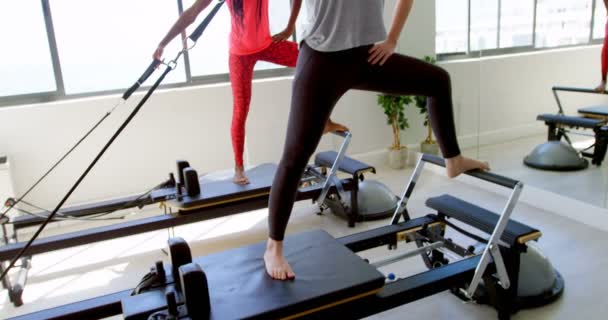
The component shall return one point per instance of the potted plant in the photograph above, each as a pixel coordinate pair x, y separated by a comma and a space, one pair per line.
394, 109
428, 145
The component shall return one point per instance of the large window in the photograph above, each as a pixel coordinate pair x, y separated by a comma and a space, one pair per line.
516, 23
105, 45
484, 24
495, 25
210, 55
452, 26
65, 48
562, 22
599, 20
25, 59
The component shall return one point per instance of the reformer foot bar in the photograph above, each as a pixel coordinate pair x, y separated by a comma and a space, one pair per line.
332, 282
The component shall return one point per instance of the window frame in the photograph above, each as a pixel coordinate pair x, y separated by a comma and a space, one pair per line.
60, 95
475, 54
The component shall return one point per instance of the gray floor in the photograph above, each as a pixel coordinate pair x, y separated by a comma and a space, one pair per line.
576, 247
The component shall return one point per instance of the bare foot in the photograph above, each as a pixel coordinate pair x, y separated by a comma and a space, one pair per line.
331, 126
601, 88
276, 266
239, 176
459, 164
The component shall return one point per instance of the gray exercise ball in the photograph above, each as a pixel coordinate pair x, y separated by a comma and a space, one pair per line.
539, 283
536, 274
555, 155
376, 198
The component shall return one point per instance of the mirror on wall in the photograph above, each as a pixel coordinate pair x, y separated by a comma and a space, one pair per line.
538, 64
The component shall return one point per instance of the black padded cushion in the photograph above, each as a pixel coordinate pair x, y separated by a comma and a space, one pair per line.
595, 110
478, 217
570, 120
214, 192
326, 272
348, 165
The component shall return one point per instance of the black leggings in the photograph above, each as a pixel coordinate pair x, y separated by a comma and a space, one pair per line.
321, 79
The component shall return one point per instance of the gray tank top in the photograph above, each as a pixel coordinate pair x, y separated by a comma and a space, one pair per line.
334, 25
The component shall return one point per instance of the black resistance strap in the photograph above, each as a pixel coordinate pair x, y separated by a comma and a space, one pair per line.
170, 66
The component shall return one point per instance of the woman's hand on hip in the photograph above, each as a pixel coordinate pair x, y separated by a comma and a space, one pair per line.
283, 35
381, 51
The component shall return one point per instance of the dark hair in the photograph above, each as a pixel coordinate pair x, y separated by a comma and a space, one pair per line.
237, 6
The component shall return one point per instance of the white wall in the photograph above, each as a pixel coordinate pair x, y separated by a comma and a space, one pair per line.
190, 123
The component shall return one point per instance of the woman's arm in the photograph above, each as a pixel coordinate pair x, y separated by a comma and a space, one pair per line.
380, 52
184, 20
404, 7
291, 25
295, 11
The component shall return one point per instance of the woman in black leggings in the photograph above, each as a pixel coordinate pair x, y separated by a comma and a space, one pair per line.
346, 47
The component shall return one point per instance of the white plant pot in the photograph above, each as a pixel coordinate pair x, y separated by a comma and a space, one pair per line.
429, 148
397, 159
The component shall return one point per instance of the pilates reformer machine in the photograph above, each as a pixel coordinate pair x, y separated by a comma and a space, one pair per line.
560, 155
193, 201
320, 184
333, 282
214, 199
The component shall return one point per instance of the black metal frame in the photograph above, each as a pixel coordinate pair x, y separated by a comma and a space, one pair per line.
454, 277
441, 276
138, 226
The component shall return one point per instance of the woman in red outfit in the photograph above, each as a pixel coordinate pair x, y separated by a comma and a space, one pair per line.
602, 86
250, 42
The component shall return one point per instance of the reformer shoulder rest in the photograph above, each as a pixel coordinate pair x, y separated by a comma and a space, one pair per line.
515, 234
595, 110
572, 121
348, 165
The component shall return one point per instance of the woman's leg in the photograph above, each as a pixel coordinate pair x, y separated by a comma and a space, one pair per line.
604, 61
320, 80
605, 56
403, 75
241, 75
284, 53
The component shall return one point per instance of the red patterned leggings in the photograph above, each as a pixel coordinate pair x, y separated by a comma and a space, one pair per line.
605, 54
241, 75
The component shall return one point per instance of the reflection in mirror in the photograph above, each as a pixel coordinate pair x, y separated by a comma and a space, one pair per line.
527, 130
